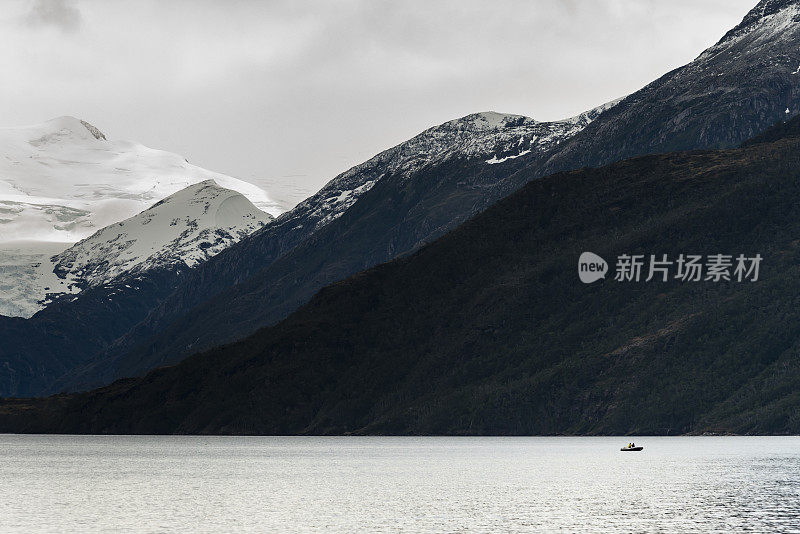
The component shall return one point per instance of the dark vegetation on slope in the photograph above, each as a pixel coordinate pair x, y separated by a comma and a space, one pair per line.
489, 331
396, 216
732, 91
37, 351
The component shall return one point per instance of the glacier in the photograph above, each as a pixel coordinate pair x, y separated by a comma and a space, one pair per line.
64, 181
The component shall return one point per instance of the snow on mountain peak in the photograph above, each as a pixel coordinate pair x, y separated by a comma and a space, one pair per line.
78, 127
60, 129
497, 136
182, 230
63, 179
187, 227
491, 120
769, 20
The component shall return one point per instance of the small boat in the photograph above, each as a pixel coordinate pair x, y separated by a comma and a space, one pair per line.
631, 448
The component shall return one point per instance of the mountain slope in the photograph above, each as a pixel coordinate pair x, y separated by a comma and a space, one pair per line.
417, 191
119, 274
62, 180
732, 91
489, 331
188, 227
386, 206
745, 83
501, 136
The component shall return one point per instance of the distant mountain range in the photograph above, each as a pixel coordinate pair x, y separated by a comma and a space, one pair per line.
488, 330
486, 138
62, 181
387, 206
186, 228
419, 190
400, 200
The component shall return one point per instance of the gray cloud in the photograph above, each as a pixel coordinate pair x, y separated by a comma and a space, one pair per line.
57, 13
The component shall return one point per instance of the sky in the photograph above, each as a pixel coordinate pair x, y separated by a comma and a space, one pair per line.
287, 94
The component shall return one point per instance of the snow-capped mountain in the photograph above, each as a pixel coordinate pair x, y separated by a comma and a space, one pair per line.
185, 228
746, 82
63, 180
497, 136
182, 230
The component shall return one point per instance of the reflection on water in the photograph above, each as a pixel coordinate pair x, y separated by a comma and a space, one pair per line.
209, 484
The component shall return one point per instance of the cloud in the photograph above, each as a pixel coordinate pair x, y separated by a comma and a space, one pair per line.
58, 13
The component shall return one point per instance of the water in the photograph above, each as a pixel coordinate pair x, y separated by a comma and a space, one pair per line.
239, 484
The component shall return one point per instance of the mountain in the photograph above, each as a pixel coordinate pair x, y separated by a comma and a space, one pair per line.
106, 283
734, 90
185, 228
490, 136
87, 341
63, 180
418, 191
502, 136
389, 205
488, 330
71, 344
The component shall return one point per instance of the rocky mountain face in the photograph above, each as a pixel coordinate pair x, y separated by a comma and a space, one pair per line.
733, 90
111, 279
745, 83
387, 206
501, 136
62, 181
420, 190
489, 331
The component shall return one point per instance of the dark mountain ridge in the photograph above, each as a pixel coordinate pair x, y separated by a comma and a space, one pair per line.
489, 331
732, 91
417, 191
406, 196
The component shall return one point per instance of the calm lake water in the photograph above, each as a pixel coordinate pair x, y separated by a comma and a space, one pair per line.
238, 484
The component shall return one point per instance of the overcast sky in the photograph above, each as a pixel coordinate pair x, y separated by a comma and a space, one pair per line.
289, 94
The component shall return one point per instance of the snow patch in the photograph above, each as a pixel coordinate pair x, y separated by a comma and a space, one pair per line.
501, 160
